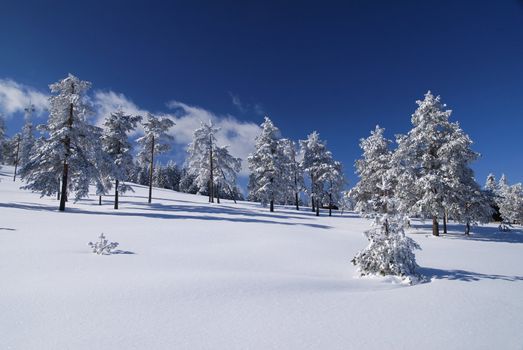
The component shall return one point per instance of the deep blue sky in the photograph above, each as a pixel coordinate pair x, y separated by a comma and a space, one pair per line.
337, 67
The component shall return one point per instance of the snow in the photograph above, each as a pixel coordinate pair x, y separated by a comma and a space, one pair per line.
194, 275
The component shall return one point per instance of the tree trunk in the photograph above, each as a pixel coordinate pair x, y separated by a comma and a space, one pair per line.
445, 221
211, 181
296, 201
58, 192
217, 194
312, 193
272, 205
116, 195
63, 197
435, 226
317, 207
16, 158
99, 200
330, 204
65, 171
467, 228
151, 172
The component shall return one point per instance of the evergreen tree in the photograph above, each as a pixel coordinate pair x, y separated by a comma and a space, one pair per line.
28, 139
293, 174
511, 203
266, 167
427, 163
335, 183
71, 149
2, 138
116, 145
316, 162
155, 141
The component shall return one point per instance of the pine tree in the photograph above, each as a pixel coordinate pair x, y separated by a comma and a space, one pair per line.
293, 174
374, 164
155, 141
2, 138
424, 171
116, 145
335, 183
71, 149
511, 203
28, 138
266, 167
316, 162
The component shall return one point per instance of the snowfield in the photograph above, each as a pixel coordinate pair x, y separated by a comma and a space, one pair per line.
194, 275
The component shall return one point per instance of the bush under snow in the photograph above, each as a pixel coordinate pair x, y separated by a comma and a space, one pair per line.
103, 246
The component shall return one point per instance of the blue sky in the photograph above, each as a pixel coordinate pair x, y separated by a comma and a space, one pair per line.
336, 67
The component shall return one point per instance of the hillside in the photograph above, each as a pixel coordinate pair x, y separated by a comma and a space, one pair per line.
194, 275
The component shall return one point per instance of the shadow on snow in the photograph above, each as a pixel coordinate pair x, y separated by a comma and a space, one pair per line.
465, 276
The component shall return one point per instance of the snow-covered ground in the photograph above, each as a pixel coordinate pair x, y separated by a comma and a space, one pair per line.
194, 275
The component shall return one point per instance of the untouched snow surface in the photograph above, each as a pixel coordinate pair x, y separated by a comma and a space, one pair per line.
194, 275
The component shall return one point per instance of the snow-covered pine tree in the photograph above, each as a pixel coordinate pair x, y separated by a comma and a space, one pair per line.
390, 251
491, 190
511, 203
266, 165
187, 182
293, 174
172, 176
71, 150
490, 184
374, 164
155, 141
227, 168
116, 145
315, 162
421, 162
2, 139
334, 185
200, 159
28, 139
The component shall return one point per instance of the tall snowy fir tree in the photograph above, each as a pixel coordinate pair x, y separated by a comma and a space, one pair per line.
371, 168
28, 138
293, 174
116, 145
201, 158
511, 203
2, 138
71, 151
334, 185
155, 141
315, 162
266, 166
427, 162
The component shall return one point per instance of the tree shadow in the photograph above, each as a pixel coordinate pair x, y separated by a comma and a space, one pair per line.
125, 252
478, 233
157, 211
462, 275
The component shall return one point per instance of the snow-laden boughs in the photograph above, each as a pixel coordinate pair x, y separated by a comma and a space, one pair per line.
213, 169
334, 185
266, 163
316, 162
432, 163
390, 251
103, 246
511, 203
155, 140
116, 145
374, 164
28, 138
293, 174
70, 152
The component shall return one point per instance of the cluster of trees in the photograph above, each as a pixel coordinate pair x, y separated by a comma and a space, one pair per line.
71, 154
507, 199
427, 175
278, 176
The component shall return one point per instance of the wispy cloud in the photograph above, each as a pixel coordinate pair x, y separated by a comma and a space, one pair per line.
243, 107
14, 97
238, 135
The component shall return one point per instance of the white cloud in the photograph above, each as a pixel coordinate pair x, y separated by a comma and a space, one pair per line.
238, 135
106, 102
14, 97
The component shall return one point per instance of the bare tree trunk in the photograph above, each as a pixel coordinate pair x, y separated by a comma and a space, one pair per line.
211, 182
330, 204
218, 194
99, 200
272, 205
467, 228
317, 207
58, 192
116, 195
65, 171
445, 221
312, 193
16, 158
435, 226
151, 172
296, 201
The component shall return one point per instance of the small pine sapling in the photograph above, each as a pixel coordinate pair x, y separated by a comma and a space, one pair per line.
103, 246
